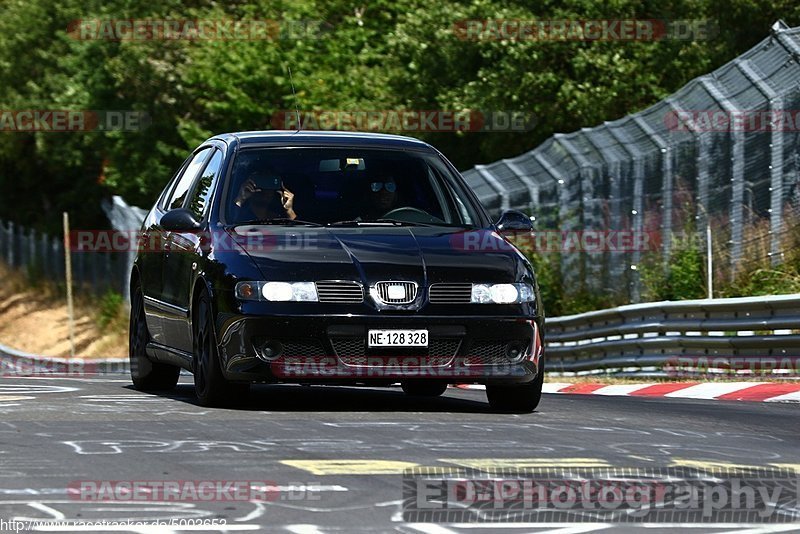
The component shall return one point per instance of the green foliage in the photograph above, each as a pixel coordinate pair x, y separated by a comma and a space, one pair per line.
379, 55
683, 278
547, 267
109, 308
765, 279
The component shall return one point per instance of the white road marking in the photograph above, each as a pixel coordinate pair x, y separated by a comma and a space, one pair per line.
430, 528
304, 529
763, 530
620, 389
32, 389
56, 515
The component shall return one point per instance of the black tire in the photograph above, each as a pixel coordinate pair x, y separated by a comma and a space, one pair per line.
423, 388
210, 385
517, 398
146, 374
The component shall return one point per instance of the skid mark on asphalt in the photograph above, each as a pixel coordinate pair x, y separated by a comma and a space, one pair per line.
8, 398
33, 389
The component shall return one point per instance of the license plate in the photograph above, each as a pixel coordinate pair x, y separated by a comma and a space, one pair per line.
397, 338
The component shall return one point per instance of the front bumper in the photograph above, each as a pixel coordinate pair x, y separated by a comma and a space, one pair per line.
333, 349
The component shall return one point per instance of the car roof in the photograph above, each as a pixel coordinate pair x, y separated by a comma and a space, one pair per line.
321, 138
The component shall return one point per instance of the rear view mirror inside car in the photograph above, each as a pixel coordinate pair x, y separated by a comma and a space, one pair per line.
344, 164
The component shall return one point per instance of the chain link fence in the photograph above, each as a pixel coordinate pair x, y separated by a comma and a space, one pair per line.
41, 257
721, 151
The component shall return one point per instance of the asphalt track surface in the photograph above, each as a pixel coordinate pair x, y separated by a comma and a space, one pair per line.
336, 455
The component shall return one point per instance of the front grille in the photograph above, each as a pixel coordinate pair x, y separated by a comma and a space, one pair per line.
340, 291
450, 293
349, 346
353, 351
491, 352
409, 290
303, 349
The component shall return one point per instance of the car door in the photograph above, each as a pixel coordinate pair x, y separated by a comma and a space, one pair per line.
151, 258
181, 260
170, 312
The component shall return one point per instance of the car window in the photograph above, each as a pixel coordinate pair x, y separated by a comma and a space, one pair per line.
178, 196
205, 186
331, 185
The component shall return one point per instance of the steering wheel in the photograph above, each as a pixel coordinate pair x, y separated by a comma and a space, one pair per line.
412, 215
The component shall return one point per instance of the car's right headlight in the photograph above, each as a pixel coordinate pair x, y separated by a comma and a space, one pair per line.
501, 293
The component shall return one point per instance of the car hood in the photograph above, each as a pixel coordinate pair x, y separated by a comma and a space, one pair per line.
425, 255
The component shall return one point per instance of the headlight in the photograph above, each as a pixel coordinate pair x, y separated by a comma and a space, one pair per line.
501, 293
277, 291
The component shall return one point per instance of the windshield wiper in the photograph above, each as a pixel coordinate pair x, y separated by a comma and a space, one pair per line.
400, 223
284, 221
380, 222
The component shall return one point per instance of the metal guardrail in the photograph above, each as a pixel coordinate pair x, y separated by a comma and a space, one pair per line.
729, 333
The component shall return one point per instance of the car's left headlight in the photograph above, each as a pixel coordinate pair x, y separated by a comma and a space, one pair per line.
501, 293
277, 291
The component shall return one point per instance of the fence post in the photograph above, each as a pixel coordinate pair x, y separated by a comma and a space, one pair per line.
3, 240
68, 266
11, 243
32, 261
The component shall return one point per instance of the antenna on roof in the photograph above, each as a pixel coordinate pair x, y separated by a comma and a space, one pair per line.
294, 94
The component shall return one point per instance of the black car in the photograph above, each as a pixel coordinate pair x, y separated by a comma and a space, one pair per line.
332, 258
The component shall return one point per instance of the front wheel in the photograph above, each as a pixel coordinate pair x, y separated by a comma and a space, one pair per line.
145, 374
210, 385
517, 398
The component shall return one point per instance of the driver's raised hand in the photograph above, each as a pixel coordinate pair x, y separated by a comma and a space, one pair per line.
246, 191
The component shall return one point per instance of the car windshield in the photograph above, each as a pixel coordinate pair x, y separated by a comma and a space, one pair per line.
344, 187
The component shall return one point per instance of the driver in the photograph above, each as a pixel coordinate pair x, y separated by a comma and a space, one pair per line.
263, 197
382, 197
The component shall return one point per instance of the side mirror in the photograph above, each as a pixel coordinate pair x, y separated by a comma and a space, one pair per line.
180, 220
514, 221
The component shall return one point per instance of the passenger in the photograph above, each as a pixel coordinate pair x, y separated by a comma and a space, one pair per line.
382, 197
